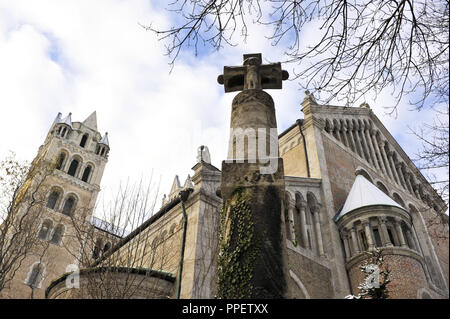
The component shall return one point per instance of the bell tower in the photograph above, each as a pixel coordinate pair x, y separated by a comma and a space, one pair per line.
78, 154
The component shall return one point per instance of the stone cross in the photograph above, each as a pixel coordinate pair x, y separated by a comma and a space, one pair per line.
252, 75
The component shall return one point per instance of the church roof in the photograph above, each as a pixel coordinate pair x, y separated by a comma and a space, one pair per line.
363, 194
91, 121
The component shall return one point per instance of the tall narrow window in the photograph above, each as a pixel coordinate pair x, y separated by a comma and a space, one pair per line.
73, 167
45, 229
35, 275
84, 140
391, 237
86, 174
52, 199
364, 240
377, 236
68, 206
57, 235
60, 162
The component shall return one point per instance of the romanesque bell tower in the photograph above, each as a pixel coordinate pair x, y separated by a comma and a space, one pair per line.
78, 153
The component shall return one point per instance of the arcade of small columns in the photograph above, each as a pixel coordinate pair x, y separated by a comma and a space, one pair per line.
363, 232
367, 142
304, 225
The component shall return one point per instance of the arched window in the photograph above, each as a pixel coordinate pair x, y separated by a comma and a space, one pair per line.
84, 140
52, 199
102, 152
45, 229
86, 174
60, 161
364, 173
57, 234
69, 206
399, 200
35, 276
382, 188
73, 167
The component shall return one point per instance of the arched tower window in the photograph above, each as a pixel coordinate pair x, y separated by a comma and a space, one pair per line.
57, 234
52, 199
86, 174
45, 229
35, 276
73, 167
69, 206
60, 161
84, 140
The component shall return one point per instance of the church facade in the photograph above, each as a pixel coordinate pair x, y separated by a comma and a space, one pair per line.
348, 187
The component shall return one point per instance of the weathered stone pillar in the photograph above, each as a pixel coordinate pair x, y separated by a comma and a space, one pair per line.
351, 143
385, 235
392, 164
375, 142
372, 151
385, 159
354, 240
368, 232
344, 235
303, 230
291, 221
358, 142
252, 188
400, 236
318, 231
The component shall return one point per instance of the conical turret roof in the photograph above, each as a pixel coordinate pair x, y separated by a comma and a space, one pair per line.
362, 194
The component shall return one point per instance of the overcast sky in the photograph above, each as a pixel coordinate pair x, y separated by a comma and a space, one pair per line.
84, 56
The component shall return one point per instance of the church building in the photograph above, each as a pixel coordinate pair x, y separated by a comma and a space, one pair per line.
348, 188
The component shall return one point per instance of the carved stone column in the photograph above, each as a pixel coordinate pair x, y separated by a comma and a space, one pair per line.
303, 228
318, 231
398, 227
407, 178
375, 142
400, 174
372, 149
291, 221
354, 240
392, 164
350, 137
366, 146
344, 235
385, 235
385, 159
368, 232
358, 142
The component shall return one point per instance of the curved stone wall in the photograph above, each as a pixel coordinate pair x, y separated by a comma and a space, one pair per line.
117, 283
407, 274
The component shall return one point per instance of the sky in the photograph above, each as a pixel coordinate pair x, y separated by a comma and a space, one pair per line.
84, 56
